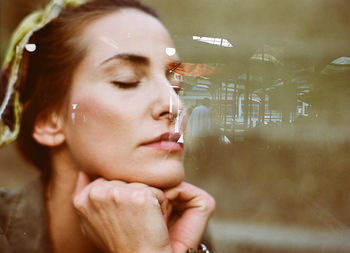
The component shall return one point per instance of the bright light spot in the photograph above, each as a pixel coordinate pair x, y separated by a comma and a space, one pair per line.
30, 47
74, 106
225, 140
109, 41
170, 51
342, 61
226, 43
181, 140
214, 41
170, 105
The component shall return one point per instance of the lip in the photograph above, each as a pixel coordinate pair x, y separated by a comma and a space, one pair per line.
166, 141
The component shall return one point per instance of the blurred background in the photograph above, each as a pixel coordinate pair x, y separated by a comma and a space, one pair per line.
267, 86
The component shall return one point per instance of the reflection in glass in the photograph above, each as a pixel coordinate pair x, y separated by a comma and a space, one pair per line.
276, 74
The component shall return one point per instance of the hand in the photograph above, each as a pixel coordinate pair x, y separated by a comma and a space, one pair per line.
121, 217
189, 211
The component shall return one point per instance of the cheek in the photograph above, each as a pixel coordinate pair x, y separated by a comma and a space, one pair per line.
93, 130
96, 111
107, 103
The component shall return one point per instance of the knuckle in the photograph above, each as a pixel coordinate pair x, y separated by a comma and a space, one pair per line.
78, 203
155, 191
208, 204
80, 206
96, 194
116, 194
211, 203
140, 196
148, 192
138, 185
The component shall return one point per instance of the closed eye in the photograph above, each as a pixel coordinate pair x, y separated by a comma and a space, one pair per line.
126, 85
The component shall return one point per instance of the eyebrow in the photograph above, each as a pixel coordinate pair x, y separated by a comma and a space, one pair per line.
128, 57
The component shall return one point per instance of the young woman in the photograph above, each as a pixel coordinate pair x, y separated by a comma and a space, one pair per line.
98, 97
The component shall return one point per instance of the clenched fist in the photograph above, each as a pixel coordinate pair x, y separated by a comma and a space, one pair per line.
134, 217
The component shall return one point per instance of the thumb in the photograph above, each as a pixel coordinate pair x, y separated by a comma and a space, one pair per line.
82, 181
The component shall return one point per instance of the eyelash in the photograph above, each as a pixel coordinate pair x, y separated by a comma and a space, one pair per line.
130, 85
126, 85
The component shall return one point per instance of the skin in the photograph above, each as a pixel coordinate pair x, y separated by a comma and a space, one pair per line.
119, 119
111, 188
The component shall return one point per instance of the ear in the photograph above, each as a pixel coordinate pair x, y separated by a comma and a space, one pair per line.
48, 129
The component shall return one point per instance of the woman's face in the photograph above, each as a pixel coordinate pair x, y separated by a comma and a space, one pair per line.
119, 125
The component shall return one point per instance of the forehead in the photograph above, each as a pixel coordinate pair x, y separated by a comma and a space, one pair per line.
126, 31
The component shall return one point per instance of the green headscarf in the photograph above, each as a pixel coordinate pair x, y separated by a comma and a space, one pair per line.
18, 42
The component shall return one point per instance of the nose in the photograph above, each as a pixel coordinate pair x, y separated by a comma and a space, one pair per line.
167, 104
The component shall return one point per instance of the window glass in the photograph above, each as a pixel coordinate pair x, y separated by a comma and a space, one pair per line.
266, 90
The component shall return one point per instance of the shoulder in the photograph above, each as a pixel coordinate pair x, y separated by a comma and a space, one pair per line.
23, 221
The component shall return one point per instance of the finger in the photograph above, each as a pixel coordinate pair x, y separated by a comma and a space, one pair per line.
168, 211
82, 181
157, 193
192, 209
184, 192
185, 196
83, 188
162, 201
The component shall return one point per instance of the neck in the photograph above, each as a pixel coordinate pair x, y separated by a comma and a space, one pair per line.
64, 222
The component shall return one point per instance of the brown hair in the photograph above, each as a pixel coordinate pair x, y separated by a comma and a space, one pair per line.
46, 74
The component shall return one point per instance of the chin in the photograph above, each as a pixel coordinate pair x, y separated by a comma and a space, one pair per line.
161, 174
169, 182
165, 175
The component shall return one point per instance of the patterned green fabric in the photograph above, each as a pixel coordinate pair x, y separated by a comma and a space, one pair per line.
32, 23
